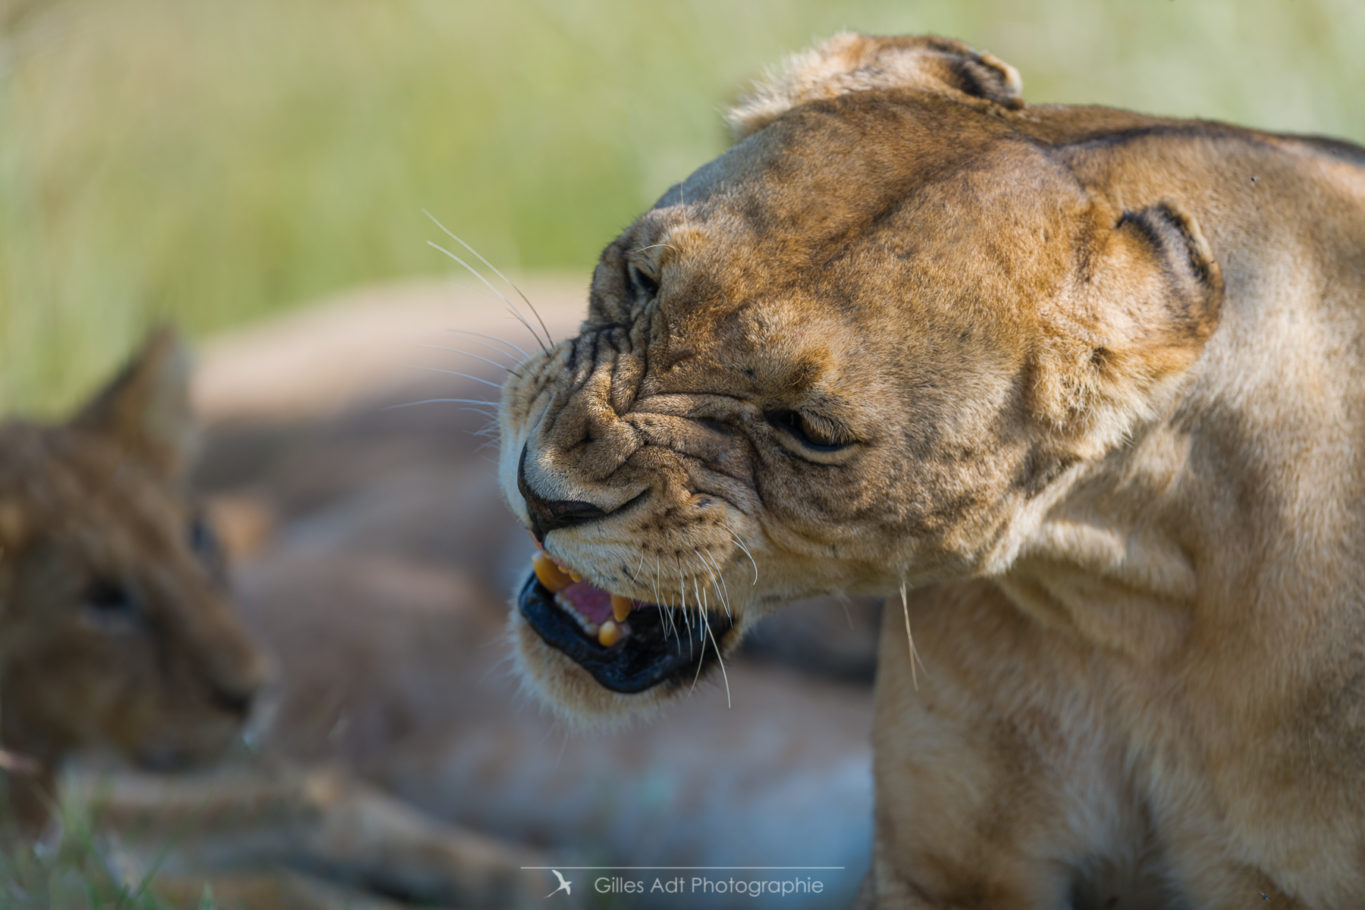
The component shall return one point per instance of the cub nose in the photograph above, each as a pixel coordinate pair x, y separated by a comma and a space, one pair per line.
551, 514
237, 691
235, 700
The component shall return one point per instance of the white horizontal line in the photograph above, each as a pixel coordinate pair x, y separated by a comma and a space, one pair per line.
698, 868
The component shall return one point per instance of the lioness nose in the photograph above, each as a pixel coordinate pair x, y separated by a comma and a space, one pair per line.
551, 514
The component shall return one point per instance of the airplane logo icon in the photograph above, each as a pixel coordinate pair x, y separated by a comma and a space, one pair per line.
564, 885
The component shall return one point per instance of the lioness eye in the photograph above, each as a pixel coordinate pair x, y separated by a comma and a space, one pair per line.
642, 284
811, 432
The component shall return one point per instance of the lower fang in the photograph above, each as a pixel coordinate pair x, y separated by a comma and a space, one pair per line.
608, 634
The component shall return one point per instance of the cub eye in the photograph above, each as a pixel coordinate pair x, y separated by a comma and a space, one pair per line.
815, 433
642, 284
110, 599
205, 544
203, 541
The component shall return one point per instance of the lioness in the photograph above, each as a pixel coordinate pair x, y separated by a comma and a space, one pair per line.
1082, 389
115, 630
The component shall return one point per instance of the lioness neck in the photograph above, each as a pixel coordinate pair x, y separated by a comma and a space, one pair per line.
1240, 512
1111, 562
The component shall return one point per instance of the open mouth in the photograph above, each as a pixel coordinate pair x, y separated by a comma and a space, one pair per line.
627, 645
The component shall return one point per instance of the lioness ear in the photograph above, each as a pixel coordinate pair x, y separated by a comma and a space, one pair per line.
1148, 296
854, 63
1159, 260
146, 407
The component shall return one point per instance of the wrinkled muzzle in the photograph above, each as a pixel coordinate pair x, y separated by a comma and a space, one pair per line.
629, 580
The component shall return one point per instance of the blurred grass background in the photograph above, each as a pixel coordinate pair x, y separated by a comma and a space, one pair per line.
216, 161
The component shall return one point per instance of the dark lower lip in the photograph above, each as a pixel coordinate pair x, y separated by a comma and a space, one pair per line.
642, 660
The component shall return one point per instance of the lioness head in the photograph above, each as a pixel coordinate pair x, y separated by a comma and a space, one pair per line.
115, 630
862, 349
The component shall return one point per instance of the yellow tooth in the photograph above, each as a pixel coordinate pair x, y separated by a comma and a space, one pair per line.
608, 634
620, 607
549, 574
575, 576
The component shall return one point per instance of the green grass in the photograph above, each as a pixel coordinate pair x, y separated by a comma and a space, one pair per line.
213, 162
75, 874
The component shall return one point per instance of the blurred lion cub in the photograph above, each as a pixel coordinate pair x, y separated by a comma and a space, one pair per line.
115, 631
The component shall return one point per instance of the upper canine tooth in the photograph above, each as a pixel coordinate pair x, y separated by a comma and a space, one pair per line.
549, 574
620, 607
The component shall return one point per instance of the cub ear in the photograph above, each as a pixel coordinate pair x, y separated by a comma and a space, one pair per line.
13, 528
852, 63
14, 531
1148, 296
146, 407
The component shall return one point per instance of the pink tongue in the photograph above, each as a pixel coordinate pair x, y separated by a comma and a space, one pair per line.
594, 603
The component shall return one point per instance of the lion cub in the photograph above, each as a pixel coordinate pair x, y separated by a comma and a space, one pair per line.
114, 629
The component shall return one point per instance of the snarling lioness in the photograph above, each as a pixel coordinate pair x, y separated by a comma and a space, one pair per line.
1088, 385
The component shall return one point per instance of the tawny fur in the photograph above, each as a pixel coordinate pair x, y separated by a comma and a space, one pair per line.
1102, 374
115, 628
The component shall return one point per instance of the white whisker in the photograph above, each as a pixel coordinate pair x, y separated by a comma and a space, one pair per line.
742, 546
502, 341
848, 617
548, 337
909, 639
701, 659
493, 405
701, 599
654, 587
427, 369
723, 675
659, 601
471, 355
549, 731
488, 284
492, 348
717, 581
682, 596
